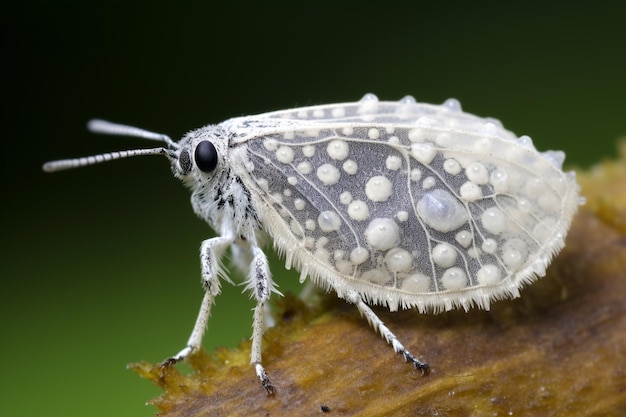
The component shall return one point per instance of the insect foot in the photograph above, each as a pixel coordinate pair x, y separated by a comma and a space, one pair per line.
265, 381
424, 368
169, 362
394, 203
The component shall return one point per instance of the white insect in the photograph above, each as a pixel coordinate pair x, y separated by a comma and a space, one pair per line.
401, 204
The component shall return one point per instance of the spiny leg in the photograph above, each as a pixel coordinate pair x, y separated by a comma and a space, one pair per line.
377, 324
210, 252
198, 330
261, 285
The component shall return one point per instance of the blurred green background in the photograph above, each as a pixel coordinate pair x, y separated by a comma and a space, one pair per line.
100, 265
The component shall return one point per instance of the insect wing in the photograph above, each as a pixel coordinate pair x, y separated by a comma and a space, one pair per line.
411, 205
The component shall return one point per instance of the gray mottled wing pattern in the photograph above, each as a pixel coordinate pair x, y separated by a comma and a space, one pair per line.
413, 205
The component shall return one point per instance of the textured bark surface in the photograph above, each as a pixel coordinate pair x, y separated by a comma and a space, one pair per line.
559, 350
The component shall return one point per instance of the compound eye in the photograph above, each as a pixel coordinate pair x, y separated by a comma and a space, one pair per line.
205, 156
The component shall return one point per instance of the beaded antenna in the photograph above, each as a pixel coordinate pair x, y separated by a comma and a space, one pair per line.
401, 204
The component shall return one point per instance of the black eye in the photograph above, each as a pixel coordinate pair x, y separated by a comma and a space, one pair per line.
206, 156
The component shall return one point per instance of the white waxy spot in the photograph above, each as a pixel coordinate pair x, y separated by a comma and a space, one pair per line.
514, 253
417, 135
338, 254
373, 133
376, 276
483, 145
304, 168
477, 173
556, 158
287, 192
408, 100
350, 167
292, 180
322, 254
416, 175
345, 197
444, 140
302, 114
318, 113
338, 112
348, 131
452, 166
284, 154
393, 162
499, 179
523, 205
423, 152
378, 188
344, 267
321, 242
290, 134
526, 142
369, 97
444, 255
299, 204
549, 202
328, 174
329, 221
442, 211
512, 259
470, 191
338, 149
309, 241
489, 129
313, 133
358, 210
416, 283
382, 234
464, 238
270, 145
493, 220
453, 105
489, 245
454, 279
402, 215
488, 275
310, 224
308, 151
398, 260
393, 140
429, 182
359, 255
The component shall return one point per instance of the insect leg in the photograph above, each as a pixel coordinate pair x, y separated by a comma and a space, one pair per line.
261, 285
210, 252
377, 324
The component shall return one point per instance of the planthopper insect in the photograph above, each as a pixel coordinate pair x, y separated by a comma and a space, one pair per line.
401, 204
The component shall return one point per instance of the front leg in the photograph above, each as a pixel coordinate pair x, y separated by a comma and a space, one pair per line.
211, 251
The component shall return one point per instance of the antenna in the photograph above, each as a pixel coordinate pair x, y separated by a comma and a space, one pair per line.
108, 128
